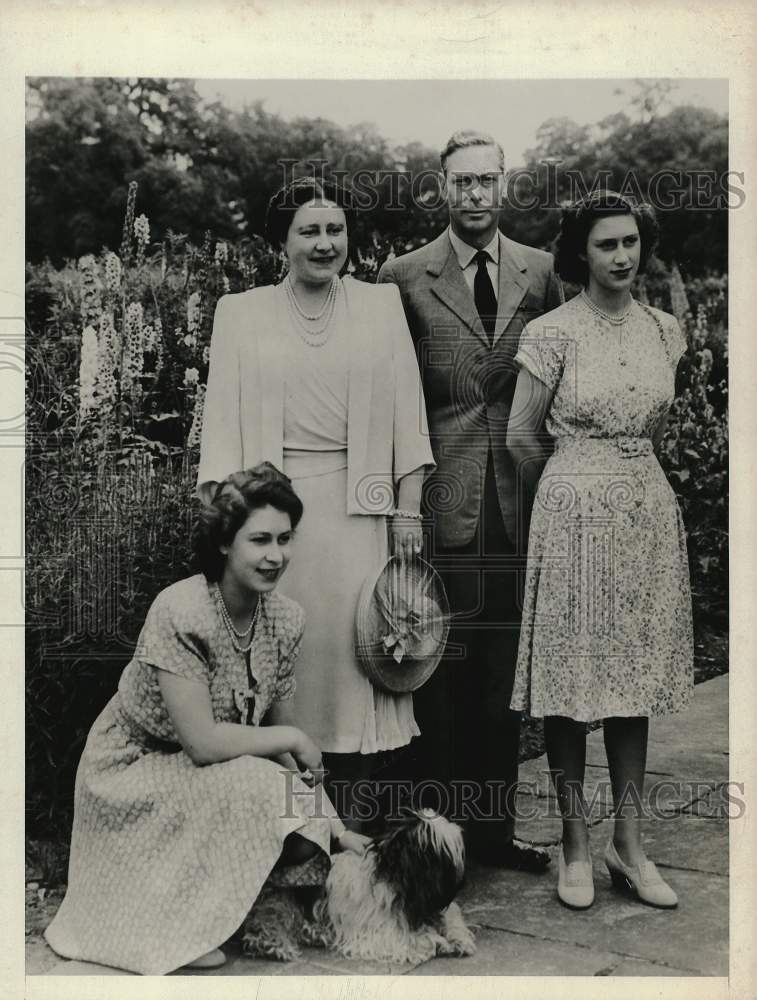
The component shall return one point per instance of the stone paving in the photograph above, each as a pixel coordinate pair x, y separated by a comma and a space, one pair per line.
521, 928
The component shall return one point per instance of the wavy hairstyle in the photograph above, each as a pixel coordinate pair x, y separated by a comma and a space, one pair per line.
283, 206
232, 503
578, 217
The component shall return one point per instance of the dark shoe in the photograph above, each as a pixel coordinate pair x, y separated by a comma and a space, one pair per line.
515, 855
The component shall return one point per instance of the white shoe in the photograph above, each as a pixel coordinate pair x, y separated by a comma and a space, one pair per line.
210, 960
642, 880
575, 883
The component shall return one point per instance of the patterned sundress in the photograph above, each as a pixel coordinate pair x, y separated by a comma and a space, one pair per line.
167, 857
607, 625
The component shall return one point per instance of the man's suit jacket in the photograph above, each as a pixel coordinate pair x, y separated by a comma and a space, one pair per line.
469, 385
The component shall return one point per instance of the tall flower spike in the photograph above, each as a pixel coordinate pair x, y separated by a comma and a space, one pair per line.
87, 371
133, 349
679, 301
131, 201
193, 438
108, 350
194, 313
113, 271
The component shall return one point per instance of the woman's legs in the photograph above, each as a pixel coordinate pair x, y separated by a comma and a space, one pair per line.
566, 751
345, 773
626, 746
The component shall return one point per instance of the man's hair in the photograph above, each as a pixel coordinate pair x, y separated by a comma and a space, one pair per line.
469, 137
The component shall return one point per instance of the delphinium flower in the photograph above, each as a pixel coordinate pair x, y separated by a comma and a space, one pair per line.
193, 438
158, 344
142, 236
87, 371
149, 337
194, 313
131, 200
107, 362
679, 301
113, 271
90, 291
133, 361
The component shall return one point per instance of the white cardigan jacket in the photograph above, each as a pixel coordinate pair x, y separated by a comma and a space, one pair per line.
243, 417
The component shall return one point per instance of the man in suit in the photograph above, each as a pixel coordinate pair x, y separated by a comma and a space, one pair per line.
467, 296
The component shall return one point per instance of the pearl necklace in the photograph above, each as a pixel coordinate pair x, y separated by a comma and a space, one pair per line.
231, 628
614, 320
313, 336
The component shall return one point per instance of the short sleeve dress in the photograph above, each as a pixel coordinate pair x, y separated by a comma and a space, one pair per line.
607, 624
167, 857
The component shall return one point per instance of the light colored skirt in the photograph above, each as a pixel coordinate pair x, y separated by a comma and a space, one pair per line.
332, 554
607, 625
167, 858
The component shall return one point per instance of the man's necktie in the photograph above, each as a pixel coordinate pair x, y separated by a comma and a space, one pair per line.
483, 293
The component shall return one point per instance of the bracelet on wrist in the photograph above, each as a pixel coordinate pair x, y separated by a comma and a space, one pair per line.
411, 514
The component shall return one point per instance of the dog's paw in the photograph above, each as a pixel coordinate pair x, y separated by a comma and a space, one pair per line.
265, 946
456, 932
464, 945
317, 934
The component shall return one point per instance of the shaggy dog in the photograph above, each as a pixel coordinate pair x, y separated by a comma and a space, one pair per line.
394, 903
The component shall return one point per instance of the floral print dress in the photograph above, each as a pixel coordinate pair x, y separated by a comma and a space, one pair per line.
168, 857
607, 627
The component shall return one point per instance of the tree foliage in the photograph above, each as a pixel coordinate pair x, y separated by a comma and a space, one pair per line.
678, 161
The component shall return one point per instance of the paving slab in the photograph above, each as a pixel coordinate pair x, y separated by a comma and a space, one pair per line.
615, 923
501, 953
689, 842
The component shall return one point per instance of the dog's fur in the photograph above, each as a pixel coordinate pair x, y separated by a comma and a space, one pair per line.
395, 903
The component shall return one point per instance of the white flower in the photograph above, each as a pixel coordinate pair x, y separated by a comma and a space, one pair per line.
194, 313
134, 357
193, 438
206, 355
142, 230
113, 270
190, 341
105, 385
191, 376
222, 253
149, 337
87, 371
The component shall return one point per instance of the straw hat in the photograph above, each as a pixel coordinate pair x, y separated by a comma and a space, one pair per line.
402, 624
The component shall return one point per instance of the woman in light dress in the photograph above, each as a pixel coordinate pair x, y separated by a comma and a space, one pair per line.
607, 630
319, 374
184, 802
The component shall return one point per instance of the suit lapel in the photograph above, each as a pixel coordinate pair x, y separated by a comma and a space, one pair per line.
513, 285
451, 289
